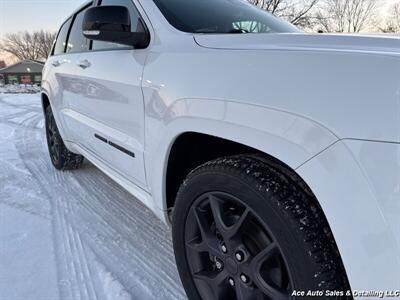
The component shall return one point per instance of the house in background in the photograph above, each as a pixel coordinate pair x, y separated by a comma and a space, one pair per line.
23, 72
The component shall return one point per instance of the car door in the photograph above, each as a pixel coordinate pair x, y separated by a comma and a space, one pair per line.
110, 105
62, 64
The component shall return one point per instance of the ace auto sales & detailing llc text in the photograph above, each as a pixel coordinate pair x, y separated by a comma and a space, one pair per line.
354, 293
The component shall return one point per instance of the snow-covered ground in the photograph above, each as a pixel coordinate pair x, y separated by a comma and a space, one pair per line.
72, 235
19, 89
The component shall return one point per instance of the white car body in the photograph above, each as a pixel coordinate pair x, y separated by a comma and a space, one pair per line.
328, 106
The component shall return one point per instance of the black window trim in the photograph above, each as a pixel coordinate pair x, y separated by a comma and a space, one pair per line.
66, 37
70, 28
72, 18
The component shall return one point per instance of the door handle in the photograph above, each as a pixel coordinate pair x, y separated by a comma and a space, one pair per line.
84, 64
56, 63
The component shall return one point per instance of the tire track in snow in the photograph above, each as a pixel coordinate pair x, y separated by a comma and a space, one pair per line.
113, 251
68, 273
16, 97
73, 261
88, 278
102, 235
106, 224
164, 261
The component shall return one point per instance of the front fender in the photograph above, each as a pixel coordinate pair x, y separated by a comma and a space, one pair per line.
287, 137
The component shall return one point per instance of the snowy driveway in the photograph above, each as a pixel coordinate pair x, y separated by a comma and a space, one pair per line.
72, 235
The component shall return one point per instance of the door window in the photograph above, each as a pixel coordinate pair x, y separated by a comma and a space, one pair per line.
136, 24
76, 41
59, 47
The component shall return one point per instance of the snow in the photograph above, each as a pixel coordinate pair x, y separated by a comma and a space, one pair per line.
72, 235
19, 89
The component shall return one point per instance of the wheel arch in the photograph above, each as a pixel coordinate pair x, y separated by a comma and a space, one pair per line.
237, 128
205, 147
45, 101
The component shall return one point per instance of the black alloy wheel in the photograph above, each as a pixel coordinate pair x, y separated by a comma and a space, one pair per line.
53, 139
232, 253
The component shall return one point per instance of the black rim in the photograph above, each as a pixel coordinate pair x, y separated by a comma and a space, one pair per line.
52, 139
231, 252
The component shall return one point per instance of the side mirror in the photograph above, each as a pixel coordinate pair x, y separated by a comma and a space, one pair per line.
112, 24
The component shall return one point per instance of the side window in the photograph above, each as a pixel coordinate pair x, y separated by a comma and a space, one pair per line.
136, 24
76, 41
59, 47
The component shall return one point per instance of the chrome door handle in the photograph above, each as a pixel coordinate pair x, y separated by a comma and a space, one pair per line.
84, 64
56, 63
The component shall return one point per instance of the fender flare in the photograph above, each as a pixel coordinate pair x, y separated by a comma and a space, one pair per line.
289, 138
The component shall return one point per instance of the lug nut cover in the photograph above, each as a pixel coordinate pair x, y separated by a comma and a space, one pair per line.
231, 281
239, 256
244, 278
223, 248
218, 264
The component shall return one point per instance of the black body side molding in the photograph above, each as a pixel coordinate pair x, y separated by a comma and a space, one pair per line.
120, 148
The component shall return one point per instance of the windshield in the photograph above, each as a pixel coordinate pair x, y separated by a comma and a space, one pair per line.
220, 16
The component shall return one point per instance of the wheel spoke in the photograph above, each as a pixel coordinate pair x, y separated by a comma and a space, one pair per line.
273, 292
234, 229
217, 211
244, 292
263, 255
205, 276
256, 264
217, 282
197, 246
208, 237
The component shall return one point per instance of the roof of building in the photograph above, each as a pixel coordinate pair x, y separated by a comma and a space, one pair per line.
25, 66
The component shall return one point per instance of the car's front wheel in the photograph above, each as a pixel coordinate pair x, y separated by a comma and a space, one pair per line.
243, 230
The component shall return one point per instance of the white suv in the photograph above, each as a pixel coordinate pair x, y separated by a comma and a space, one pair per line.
274, 154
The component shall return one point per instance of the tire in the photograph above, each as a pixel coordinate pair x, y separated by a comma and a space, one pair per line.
61, 157
283, 240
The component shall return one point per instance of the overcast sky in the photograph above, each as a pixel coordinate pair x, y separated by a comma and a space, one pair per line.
19, 15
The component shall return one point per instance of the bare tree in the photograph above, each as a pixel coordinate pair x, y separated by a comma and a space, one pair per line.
346, 15
28, 45
46, 40
392, 22
298, 12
